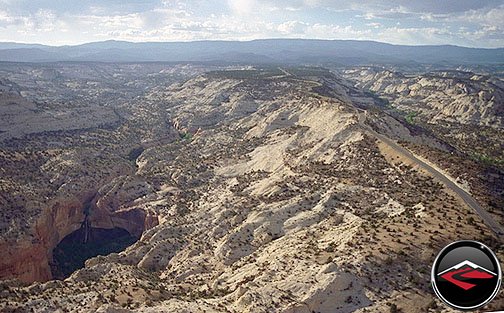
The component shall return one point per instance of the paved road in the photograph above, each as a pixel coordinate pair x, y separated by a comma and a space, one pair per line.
468, 199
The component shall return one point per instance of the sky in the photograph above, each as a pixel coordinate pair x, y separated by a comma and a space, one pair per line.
472, 23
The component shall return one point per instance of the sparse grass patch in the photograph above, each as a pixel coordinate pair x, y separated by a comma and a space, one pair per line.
410, 117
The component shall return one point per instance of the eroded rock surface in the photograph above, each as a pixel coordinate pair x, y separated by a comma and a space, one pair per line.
272, 197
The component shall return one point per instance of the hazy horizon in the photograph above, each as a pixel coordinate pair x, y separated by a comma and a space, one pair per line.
232, 40
466, 23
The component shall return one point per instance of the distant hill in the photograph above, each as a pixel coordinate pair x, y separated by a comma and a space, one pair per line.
348, 52
30, 55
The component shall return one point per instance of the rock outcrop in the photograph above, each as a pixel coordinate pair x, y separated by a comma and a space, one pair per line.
28, 258
274, 197
454, 96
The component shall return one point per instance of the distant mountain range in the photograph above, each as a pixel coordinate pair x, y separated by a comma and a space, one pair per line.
347, 52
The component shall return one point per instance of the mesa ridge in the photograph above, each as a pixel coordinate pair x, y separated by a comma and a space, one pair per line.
250, 188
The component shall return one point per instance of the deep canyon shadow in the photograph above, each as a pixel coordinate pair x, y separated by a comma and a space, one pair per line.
85, 243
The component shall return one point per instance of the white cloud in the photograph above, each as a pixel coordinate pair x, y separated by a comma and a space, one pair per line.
242, 7
41, 21
331, 31
425, 21
292, 27
374, 25
494, 16
411, 35
5, 17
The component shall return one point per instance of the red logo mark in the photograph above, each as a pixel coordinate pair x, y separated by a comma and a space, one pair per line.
464, 271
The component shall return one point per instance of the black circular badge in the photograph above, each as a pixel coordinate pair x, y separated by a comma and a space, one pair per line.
466, 275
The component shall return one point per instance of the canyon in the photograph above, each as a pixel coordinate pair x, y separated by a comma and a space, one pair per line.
243, 188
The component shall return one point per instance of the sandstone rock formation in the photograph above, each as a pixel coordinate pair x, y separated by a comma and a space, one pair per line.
462, 97
273, 197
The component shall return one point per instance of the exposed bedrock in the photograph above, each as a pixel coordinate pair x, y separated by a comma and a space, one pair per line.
28, 258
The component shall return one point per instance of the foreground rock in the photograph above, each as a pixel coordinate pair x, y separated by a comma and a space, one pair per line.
273, 198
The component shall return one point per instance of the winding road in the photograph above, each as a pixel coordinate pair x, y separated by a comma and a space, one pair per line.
464, 195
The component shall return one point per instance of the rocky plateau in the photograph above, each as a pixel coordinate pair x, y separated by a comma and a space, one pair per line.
247, 188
